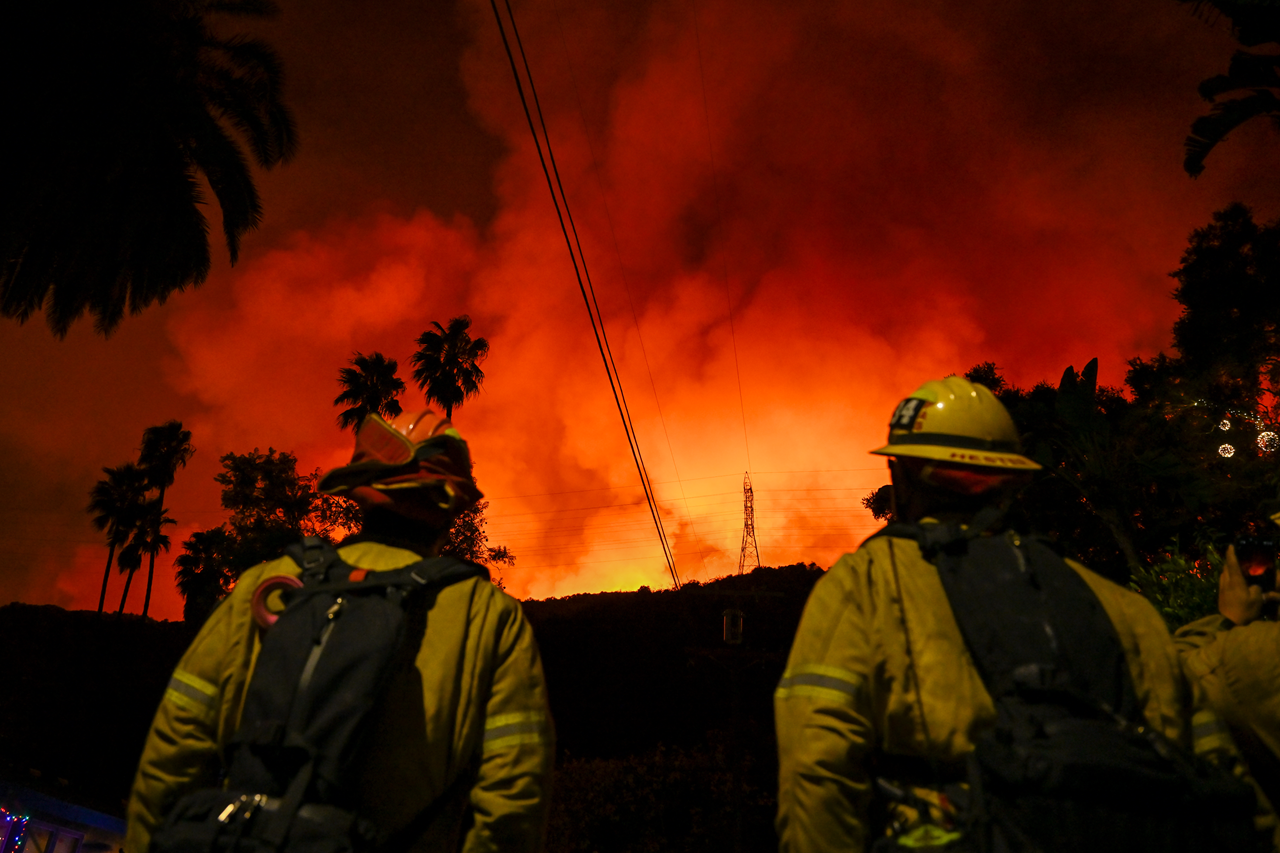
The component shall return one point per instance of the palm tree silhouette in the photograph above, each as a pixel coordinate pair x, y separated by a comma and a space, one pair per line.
165, 448
202, 573
447, 363
129, 561
148, 540
132, 106
371, 387
1255, 77
116, 503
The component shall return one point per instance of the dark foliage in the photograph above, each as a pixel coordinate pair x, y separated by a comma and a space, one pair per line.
469, 541
667, 799
370, 386
203, 572
1186, 452
116, 506
165, 449
447, 364
272, 506
115, 111
880, 502
643, 691
1253, 77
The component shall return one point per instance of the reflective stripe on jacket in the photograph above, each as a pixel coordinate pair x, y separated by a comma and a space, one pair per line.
475, 702
879, 665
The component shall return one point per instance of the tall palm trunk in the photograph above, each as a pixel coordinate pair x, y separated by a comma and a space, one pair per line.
127, 581
151, 566
106, 576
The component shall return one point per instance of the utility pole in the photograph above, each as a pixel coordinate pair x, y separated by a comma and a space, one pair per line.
748, 526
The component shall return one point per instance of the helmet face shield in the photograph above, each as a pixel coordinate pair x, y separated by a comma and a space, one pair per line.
417, 465
956, 421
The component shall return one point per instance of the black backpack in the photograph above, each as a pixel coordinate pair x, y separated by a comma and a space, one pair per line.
1070, 764
322, 667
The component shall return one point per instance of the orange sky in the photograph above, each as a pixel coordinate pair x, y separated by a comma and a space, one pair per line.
883, 192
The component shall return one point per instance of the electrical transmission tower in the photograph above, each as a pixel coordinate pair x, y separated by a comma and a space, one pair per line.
748, 526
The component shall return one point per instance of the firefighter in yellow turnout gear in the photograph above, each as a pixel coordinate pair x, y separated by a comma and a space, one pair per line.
467, 720
879, 675
1234, 656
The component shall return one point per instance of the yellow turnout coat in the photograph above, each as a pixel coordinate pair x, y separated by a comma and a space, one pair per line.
475, 702
1239, 669
879, 666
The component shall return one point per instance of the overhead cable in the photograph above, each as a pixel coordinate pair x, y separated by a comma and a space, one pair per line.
561, 202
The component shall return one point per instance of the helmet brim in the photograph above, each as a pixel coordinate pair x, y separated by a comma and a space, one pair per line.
960, 456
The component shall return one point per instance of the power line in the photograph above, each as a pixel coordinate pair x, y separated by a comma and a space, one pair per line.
606, 354
622, 267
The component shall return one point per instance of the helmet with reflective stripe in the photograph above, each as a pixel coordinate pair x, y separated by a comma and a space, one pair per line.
957, 421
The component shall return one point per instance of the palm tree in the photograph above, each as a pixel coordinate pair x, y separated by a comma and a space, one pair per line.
133, 106
202, 572
1258, 74
370, 386
165, 448
116, 503
129, 561
447, 364
148, 540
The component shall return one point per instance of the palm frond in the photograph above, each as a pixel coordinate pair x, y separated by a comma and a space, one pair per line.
224, 165
1247, 71
1209, 130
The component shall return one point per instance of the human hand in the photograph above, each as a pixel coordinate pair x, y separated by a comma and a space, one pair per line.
1238, 600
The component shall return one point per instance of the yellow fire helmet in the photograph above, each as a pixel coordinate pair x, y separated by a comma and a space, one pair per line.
957, 421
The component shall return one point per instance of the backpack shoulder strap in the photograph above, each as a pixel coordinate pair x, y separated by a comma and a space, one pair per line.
314, 556
431, 573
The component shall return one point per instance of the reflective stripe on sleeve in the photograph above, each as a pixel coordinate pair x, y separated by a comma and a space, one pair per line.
505, 730
820, 682
1208, 732
192, 694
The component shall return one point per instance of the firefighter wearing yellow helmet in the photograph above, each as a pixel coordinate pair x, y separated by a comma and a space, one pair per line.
462, 735
881, 703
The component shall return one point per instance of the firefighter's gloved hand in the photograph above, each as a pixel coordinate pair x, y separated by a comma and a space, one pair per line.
1238, 600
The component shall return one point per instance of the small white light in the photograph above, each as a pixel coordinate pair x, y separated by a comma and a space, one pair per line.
1227, 451
939, 405
1268, 441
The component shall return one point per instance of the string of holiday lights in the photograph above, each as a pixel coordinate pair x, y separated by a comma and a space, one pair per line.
1267, 440
12, 842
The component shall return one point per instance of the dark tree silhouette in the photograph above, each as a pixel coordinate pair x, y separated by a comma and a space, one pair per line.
880, 502
148, 540
447, 363
1256, 74
203, 572
469, 540
115, 111
116, 505
165, 448
272, 506
129, 561
370, 386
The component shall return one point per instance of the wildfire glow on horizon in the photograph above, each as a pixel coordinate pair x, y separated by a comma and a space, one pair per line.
879, 195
